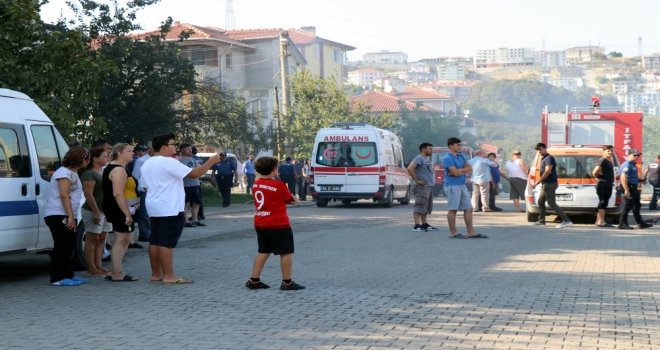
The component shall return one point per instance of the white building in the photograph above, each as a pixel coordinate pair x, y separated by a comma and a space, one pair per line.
647, 102
385, 57
550, 59
582, 54
450, 70
504, 57
364, 77
623, 87
651, 62
568, 83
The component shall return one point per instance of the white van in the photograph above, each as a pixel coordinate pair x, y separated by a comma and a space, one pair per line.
31, 149
352, 161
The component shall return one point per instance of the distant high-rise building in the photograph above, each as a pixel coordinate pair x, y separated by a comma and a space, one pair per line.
504, 57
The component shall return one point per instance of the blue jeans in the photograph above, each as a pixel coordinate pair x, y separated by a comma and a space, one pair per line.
144, 225
653, 205
250, 182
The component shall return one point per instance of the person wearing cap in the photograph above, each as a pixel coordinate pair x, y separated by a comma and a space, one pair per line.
517, 171
652, 174
631, 194
225, 173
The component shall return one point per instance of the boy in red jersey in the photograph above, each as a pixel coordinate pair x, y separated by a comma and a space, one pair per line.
271, 221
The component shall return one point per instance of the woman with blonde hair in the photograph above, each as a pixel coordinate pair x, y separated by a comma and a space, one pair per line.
96, 223
64, 195
116, 183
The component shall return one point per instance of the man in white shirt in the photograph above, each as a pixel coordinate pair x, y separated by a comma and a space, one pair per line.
162, 178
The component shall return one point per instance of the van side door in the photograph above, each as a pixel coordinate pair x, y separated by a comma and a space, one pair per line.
19, 213
49, 149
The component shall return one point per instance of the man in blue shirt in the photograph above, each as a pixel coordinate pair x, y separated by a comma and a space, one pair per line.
457, 194
225, 173
549, 184
250, 173
631, 194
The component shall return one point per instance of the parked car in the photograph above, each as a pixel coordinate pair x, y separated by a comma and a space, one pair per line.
576, 193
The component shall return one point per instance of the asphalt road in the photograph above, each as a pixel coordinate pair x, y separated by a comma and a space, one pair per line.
371, 283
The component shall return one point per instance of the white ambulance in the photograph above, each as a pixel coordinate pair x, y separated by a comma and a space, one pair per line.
352, 161
31, 149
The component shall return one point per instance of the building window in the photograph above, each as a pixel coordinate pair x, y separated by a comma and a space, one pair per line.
317, 52
201, 55
228, 62
338, 56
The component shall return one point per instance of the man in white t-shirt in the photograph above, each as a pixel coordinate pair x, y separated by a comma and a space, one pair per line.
162, 178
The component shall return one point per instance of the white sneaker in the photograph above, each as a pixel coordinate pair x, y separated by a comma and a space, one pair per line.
564, 224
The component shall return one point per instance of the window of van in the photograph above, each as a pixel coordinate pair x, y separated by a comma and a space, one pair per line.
51, 148
338, 154
577, 167
13, 162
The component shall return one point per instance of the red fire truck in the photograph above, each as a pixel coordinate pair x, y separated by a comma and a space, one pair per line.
593, 126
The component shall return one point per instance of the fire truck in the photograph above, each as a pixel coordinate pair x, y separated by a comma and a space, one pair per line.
593, 126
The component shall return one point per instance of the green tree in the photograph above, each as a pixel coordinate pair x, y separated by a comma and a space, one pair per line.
316, 104
419, 126
651, 146
218, 117
51, 63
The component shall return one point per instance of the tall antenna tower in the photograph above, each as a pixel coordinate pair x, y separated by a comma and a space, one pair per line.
640, 50
230, 20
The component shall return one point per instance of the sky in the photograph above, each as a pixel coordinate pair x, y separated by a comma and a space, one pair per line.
429, 28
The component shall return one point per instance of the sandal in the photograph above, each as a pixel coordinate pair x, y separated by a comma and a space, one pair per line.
180, 280
127, 278
458, 235
478, 235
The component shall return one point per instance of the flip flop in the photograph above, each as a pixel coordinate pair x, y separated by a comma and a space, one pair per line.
478, 235
126, 278
155, 280
458, 236
180, 281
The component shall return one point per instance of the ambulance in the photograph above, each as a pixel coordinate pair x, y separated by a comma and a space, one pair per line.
31, 149
352, 161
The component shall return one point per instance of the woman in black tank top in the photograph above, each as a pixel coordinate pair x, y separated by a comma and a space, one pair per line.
115, 207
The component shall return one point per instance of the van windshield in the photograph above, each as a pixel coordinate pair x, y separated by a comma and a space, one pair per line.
346, 154
577, 167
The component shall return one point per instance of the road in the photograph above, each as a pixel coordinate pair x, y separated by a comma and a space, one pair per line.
371, 282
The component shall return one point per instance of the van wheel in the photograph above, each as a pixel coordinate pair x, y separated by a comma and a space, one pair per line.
532, 217
389, 200
346, 201
405, 200
79, 263
321, 203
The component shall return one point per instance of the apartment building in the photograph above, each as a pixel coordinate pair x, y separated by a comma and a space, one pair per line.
364, 77
503, 57
385, 57
582, 54
450, 70
651, 62
550, 59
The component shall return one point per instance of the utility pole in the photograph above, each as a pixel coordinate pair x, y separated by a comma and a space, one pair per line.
284, 43
278, 147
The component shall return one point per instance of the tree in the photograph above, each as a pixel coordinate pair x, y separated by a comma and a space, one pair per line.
218, 117
419, 126
651, 146
316, 104
51, 64
615, 54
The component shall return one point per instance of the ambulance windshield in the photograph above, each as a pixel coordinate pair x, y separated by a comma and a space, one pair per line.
346, 154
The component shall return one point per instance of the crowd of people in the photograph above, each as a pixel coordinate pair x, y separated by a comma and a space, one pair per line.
485, 175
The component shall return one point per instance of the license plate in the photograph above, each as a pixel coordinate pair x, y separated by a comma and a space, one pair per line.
331, 188
564, 197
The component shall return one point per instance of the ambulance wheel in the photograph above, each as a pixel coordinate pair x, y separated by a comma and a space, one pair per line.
321, 203
79, 263
346, 201
532, 217
405, 200
387, 202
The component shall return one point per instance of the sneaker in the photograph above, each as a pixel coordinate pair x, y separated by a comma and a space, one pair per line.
291, 286
256, 285
66, 283
136, 246
428, 227
199, 223
539, 223
79, 279
188, 224
565, 224
418, 228
645, 225
624, 227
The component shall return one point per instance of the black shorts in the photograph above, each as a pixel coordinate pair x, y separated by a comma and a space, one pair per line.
193, 194
276, 241
119, 224
604, 191
166, 230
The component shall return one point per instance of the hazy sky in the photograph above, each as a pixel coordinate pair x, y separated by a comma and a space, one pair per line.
431, 28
